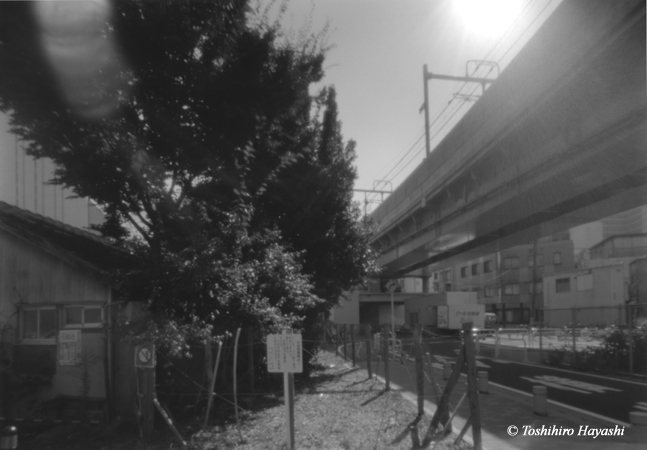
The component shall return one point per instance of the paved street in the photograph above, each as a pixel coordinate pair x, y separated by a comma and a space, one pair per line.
504, 407
607, 397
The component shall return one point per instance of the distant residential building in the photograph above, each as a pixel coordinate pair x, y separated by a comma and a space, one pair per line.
600, 290
589, 235
620, 247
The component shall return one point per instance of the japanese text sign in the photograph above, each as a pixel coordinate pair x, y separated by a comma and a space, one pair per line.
284, 353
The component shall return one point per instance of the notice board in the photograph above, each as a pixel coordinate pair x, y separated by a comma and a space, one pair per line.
284, 353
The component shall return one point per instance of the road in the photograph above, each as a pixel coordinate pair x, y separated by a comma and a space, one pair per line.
608, 397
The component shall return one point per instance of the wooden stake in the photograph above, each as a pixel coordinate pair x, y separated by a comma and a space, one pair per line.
385, 352
335, 340
443, 405
368, 358
213, 383
168, 421
250, 357
420, 379
466, 427
148, 408
435, 387
472, 386
352, 340
235, 384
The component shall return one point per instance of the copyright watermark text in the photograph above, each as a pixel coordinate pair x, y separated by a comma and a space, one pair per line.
554, 430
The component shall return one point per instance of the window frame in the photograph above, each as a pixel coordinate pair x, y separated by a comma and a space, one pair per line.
511, 262
66, 326
475, 269
38, 340
487, 266
557, 258
514, 288
564, 282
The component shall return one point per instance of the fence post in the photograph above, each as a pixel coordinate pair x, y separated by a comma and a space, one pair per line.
541, 342
573, 323
343, 338
385, 353
250, 357
335, 338
496, 343
352, 343
368, 358
630, 324
420, 378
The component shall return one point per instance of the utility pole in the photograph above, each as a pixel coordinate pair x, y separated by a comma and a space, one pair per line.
426, 76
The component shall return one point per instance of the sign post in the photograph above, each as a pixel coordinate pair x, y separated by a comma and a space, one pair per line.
284, 355
392, 285
145, 362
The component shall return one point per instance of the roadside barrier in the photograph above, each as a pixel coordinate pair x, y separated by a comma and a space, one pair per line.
483, 382
540, 400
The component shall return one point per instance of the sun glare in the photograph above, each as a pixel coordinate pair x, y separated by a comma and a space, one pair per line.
488, 17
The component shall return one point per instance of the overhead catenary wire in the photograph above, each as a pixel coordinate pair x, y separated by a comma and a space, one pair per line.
419, 149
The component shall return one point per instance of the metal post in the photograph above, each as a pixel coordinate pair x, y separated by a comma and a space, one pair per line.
426, 107
352, 342
574, 318
540, 398
385, 352
392, 315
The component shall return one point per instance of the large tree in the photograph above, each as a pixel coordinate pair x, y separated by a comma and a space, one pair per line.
312, 204
192, 126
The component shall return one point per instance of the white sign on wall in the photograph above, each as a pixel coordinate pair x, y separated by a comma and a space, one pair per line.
69, 347
284, 353
443, 316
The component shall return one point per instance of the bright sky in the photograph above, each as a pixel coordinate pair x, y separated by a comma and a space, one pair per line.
376, 68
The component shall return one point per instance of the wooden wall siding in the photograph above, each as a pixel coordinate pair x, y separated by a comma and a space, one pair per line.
31, 275
88, 378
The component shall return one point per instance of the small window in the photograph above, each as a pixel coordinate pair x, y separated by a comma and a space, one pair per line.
511, 289
540, 260
82, 316
489, 291
39, 324
538, 289
510, 262
487, 266
475, 269
557, 258
464, 272
563, 285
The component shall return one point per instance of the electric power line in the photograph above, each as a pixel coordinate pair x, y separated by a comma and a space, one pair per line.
465, 84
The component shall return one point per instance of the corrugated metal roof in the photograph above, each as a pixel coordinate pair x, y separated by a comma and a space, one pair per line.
71, 244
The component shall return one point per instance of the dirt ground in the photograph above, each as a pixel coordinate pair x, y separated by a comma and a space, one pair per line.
338, 408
